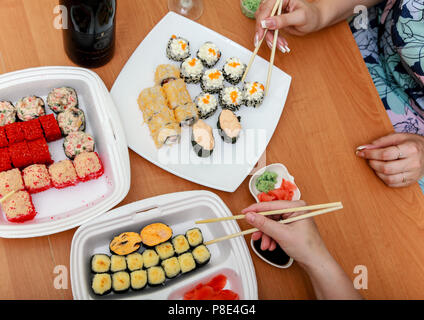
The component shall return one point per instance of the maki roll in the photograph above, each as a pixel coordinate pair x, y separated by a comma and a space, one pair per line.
231, 98
165, 250
165, 73
178, 48
32, 130
138, 279
209, 54
101, 284
212, 81
180, 244
186, 115
36, 178
78, 142
63, 174
125, 243
60, 99
177, 94
121, 282
117, 263
71, 120
11, 180
150, 258
202, 139
171, 267
7, 113
194, 237
187, 262
191, 70
14, 132
29, 108
206, 105
100, 263
39, 150
88, 166
253, 94
155, 276
20, 155
233, 70
3, 138
134, 261
5, 161
155, 233
229, 126
50, 127
201, 255
19, 207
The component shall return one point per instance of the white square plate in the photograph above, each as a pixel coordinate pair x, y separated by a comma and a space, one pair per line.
229, 164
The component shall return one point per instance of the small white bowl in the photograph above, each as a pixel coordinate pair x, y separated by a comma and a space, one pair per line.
282, 173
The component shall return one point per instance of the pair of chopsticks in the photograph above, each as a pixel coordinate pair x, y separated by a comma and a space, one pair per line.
321, 209
278, 6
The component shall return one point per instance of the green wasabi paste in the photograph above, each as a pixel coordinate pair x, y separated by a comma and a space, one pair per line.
249, 7
266, 182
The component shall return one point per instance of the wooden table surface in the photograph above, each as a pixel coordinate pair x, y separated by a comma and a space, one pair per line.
332, 107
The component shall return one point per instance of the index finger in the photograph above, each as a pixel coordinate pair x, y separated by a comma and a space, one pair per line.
382, 154
273, 205
262, 13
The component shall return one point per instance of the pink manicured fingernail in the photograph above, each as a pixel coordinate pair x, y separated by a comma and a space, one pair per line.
361, 148
282, 49
287, 49
250, 218
269, 44
256, 40
268, 23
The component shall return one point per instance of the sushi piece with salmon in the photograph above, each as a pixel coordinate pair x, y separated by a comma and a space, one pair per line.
229, 126
202, 139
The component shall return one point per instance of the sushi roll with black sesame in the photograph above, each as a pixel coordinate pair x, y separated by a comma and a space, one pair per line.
191, 70
229, 126
101, 284
30, 108
138, 279
231, 98
212, 81
7, 113
155, 276
206, 105
60, 99
201, 255
194, 237
180, 244
121, 282
71, 120
253, 94
117, 263
187, 262
233, 70
171, 267
134, 261
100, 263
78, 142
209, 54
150, 258
178, 49
202, 139
165, 250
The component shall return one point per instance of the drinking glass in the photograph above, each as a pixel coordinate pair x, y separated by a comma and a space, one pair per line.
191, 9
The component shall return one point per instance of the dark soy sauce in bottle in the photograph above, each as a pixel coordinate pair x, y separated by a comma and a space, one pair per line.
89, 38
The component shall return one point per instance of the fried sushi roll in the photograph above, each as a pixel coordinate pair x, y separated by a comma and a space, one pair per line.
212, 81
177, 94
121, 282
29, 108
117, 263
71, 120
150, 258
209, 54
206, 105
100, 263
178, 48
138, 279
231, 98
155, 276
165, 73
101, 284
202, 139
233, 70
7, 113
165, 250
171, 267
78, 142
186, 115
180, 244
253, 94
60, 99
134, 261
229, 126
164, 130
201, 255
194, 237
152, 101
191, 70
187, 262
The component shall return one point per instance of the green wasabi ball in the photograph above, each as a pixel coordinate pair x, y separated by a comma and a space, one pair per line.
249, 7
266, 182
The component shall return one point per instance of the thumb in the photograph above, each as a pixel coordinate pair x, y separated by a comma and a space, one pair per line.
270, 227
294, 18
390, 140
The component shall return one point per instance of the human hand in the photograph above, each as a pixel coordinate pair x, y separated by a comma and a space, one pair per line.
397, 159
299, 18
300, 240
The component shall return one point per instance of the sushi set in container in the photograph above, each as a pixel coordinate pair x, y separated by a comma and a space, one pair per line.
151, 249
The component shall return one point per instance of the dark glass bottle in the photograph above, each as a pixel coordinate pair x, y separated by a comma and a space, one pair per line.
89, 39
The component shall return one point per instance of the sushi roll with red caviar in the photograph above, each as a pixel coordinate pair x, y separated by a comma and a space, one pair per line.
212, 81
60, 99
39, 150
32, 130
10, 180
253, 94
5, 162
7, 113
231, 98
36, 178
19, 207
233, 70
63, 174
51, 128
178, 49
14, 132
20, 155
191, 70
88, 166
3, 138
209, 54
29, 108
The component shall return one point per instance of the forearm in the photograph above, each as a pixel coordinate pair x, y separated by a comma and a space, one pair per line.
333, 11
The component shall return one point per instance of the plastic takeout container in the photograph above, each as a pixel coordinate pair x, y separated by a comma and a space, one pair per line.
179, 211
60, 210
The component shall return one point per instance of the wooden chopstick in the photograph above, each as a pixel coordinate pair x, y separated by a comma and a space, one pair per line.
274, 212
8, 196
258, 45
274, 47
289, 220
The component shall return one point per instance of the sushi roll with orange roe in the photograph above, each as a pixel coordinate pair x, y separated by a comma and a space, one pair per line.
231, 98
233, 70
178, 48
209, 54
192, 70
206, 105
212, 81
253, 94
